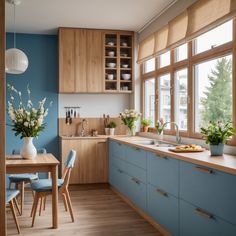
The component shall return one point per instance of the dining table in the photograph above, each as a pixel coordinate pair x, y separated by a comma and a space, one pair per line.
15, 164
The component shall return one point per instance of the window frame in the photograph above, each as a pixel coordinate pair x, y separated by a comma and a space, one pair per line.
219, 51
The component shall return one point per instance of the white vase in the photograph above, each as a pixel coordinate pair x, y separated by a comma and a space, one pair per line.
107, 131
112, 131
28, 150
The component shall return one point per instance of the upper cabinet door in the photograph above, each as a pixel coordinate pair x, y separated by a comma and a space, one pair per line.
66, 61
94, 61
80, 60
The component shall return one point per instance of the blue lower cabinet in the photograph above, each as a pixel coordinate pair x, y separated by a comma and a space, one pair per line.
136, 156
118, 179
163, 171
213, 190
137, 192
137, 172
163, 208
117, 149
195, 221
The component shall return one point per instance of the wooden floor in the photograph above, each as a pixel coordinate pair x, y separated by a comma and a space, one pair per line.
98, 212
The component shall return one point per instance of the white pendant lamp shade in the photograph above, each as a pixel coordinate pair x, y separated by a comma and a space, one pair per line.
16, 62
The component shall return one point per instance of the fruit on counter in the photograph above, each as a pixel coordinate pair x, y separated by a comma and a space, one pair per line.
189, 147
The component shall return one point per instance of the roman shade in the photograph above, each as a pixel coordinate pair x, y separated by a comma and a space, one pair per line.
200, 17
146, 49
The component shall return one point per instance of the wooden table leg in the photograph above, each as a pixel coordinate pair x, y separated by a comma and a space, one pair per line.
54, 197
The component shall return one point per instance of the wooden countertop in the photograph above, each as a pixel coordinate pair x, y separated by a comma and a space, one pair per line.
89, 137
225, 163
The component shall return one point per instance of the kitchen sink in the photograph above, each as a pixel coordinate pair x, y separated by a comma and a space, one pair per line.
155, 143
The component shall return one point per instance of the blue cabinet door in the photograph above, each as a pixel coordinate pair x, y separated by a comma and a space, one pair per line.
137, 192
136, 172
196, 222
163, 172
117, 149
163, 208
136, 156
212, 190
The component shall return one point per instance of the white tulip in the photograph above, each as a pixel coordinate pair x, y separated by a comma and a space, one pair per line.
26, 124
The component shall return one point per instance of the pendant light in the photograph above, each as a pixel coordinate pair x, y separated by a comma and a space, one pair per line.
16, 62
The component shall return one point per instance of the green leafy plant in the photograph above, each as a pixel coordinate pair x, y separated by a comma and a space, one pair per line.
160, 125
112, 125
146, 122
27, 121
217, 132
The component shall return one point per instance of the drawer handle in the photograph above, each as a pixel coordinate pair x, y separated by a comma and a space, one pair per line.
204, 170
203, 213
137, 149
162, 156
119, 144
121, 171
164, 194
135, 180
101, 142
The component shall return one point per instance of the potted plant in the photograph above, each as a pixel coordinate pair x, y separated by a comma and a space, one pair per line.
129, 117
216, 134
27, 120
145, 123
112, 126
160, 125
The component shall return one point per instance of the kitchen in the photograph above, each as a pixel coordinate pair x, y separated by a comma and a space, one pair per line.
138, 122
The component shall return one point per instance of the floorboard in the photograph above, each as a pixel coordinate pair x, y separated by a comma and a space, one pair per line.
98, 212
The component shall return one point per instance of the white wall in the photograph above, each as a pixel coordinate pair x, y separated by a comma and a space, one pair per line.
168, 15
94, 105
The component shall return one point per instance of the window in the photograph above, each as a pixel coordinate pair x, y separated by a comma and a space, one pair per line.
164, 59
164, 98
149, 100
213, 91
181, 52
181, 99
216, 37
149, 65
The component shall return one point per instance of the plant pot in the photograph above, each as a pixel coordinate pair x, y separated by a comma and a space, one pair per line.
217, 150
145, 129
107, 131
112, 131
28, 150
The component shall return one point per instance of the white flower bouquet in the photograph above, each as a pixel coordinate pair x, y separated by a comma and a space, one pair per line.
27, 121
129, 117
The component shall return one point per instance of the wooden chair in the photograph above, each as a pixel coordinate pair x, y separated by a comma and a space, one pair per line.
43, 188
11, 200
22, 179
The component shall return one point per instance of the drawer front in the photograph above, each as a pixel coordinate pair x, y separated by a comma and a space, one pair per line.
117, 149
197, 222
118, 163
137, 192
136, 156
117, 178
163, 208
212, 190
163, 172
136, 172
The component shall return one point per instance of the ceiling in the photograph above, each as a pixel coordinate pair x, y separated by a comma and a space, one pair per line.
45, 16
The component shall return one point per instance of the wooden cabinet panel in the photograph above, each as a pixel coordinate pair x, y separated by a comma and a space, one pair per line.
66, 61
94, 61
101, 161
80, 60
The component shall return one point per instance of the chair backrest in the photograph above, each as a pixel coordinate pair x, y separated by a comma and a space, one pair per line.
69, 164
39, 151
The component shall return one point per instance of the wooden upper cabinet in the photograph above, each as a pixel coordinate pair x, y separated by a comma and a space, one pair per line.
95, 61
66, 60
80, 60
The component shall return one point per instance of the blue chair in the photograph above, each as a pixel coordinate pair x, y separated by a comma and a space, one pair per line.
11, 200
43, 187
21, 179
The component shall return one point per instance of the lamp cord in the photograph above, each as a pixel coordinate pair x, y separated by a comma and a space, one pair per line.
14, 25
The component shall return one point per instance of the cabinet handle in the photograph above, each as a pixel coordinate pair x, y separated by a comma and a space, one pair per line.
137, 149
121, 171
119, 144
162, 156
135, 180
101, 142
164, 194
203, 213
204, 170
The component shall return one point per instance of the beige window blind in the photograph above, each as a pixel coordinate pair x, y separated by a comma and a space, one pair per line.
177, 30
200, 17
161, 38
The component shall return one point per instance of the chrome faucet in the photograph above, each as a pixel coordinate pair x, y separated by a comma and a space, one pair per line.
83, 123
178, 138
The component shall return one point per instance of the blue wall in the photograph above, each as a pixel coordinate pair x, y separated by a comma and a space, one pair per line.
42, 76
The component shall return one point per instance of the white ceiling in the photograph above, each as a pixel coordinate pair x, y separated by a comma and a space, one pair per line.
45, 16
